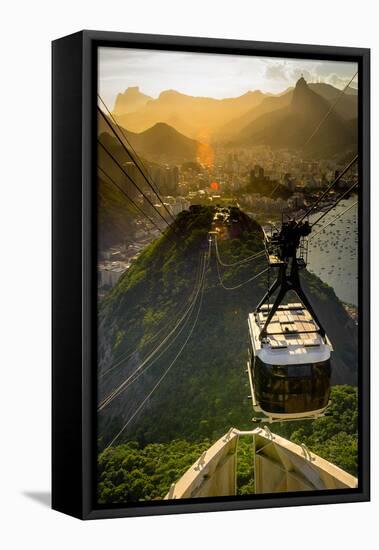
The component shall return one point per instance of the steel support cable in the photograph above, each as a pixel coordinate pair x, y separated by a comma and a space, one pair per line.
117, 390
333, 220
240, 284
123, 358
153, 188
128, 199
336, 180
274, 226
119, 187
275, 188
345, 194
149, 365
131, 180
129, 144
331, 108
130, 157
149, 395
239, 262
329, 111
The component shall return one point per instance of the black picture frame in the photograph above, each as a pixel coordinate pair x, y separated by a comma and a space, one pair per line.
74, 84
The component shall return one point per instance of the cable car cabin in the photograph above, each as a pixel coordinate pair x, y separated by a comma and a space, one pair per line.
289, 370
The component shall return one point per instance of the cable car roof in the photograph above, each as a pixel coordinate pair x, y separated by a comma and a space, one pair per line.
292, 336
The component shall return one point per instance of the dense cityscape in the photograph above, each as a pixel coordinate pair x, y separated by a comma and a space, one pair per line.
260, 181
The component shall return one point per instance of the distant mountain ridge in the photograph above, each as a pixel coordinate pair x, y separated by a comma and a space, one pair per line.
268, 104
129, 101
346, 107
292, 125
160, 142
209, 120
196, 117
163, 140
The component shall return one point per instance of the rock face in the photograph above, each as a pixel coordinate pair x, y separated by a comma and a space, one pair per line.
129, 101
206, 392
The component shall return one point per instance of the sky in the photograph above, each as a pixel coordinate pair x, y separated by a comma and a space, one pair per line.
209, 75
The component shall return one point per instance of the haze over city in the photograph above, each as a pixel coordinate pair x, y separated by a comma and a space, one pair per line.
210, 75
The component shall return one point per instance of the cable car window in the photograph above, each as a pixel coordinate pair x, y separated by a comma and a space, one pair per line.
279, 371
292, 388
299, 371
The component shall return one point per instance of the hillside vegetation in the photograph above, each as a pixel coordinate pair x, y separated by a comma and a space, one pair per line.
207, 390
131, 472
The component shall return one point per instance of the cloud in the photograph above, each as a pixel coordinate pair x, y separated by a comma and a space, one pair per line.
276, 71
340, 82
299, 72
209, 75
289, 71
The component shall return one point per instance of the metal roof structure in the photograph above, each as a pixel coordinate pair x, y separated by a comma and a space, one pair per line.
292, 332
292, 324
280, 466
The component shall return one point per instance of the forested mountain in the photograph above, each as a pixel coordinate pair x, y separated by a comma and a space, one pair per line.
163, 141
347, 104
132, 472
268, 105
346, 107
192, 116
290, 127
160, 142
115, 213
206, 392
210, 119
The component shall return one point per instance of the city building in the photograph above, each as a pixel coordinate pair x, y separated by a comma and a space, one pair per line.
109, 273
